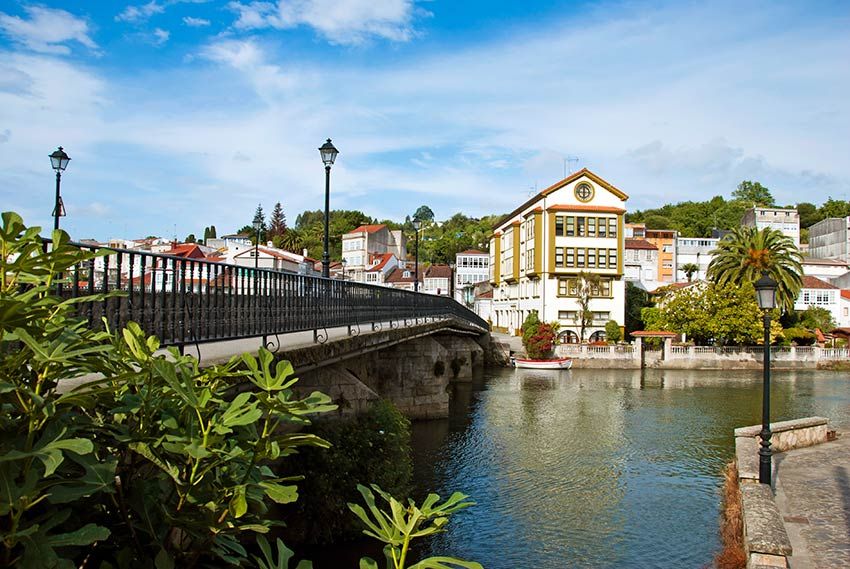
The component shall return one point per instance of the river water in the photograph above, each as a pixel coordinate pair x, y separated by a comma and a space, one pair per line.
598, 468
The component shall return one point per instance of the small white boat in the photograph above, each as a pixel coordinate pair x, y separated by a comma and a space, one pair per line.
560, 363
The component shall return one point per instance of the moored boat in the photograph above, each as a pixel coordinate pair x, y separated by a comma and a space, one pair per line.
558, 363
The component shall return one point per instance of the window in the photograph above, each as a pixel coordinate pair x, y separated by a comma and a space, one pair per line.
591, 258
602, 224
562, 287
602, 255
601, 316
580, 227
559, 226
580, 258
612, 258
559, 257
591, 227
571, 257
612, 227
567, 315
571, 226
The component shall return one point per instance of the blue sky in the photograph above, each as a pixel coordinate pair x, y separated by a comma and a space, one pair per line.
182, 114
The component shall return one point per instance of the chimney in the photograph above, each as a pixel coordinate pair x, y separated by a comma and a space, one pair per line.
304, 254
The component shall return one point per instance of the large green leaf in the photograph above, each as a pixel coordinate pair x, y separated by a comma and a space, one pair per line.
445, 563
279, 493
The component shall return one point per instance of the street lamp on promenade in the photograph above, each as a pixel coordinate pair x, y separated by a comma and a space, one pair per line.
452, 282
258, 226
416, 225
59, 161
343, 263
766, 295
328, 152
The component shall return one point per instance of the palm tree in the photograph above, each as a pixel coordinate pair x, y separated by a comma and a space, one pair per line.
689, 269
290, 240
745, 253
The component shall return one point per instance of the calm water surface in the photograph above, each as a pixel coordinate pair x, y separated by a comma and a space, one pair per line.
597, 468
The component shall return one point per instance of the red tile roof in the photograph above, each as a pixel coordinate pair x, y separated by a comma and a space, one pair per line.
488, 294
594, 208
654, 334
640, 244
397, 276
368, 229
845, 294
472, 252
384, 259
438, 272
814, 282
186, 250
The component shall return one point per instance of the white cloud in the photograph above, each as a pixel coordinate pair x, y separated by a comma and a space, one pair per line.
47, 30
195, 22
346, 22
160, 36
140, 13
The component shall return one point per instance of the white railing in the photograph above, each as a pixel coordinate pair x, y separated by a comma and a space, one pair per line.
706, 353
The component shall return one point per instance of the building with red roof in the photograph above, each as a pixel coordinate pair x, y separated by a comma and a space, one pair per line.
360, 246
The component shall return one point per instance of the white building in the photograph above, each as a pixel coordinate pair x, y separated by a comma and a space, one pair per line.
695, 250
471, 267
830, 239
267, 257
816, 292
786, 220
380, 265
539, 250
359, 245
437, 280
641, 263
829, 270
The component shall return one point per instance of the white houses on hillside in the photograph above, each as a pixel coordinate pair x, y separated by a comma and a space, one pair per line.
786, 220
359, 245
471, 267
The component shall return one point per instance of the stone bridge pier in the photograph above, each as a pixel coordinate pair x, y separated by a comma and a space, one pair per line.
412, 367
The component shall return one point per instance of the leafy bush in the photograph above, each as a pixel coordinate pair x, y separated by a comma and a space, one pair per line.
171, 458
373, 447
613, 333
402, 524
529, 327
541, 345
799, 336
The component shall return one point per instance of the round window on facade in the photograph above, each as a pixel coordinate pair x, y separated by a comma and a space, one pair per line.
584, 192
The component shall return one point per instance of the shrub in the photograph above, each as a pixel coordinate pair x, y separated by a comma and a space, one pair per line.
799, 336
613, 333
541, 345
373, 447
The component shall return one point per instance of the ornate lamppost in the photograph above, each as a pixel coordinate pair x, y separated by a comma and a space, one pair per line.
59, 161
343, 263
329, 153
452, 282
416, 225
766, 296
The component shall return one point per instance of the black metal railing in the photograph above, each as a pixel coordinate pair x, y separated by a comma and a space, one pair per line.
187, 301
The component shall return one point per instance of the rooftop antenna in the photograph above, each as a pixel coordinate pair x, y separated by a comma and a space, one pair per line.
532, 190
567, 167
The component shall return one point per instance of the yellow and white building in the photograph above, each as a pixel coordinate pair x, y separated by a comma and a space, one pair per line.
538, 250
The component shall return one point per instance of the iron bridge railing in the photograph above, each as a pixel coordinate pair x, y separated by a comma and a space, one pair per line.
191, 301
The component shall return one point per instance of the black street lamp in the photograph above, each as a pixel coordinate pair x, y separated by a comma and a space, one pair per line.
343, 263
766, 296
452, 283
258, 226
328, 152
416, 225
59, 161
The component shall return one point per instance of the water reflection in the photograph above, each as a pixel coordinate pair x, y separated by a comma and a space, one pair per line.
599, 468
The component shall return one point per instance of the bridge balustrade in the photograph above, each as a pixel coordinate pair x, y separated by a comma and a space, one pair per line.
187, 301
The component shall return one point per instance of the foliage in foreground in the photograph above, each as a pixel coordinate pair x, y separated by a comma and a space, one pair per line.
399, 526
152, 461
538, 338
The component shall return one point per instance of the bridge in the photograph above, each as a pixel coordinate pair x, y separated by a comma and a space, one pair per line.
355, 341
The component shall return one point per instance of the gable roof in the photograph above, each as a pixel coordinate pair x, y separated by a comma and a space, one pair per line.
640, 244
397, 276
814, 282
368, 229
472, 252
384, 259
186, 250
560, 184
438, 272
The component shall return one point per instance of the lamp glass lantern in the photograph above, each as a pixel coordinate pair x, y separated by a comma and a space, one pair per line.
416, 224
59, 160
766, 292
328, 152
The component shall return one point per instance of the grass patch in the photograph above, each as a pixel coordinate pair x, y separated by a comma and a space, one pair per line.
732, 554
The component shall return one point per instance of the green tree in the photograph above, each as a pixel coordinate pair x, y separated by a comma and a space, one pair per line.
424, 213
809, 214
587, 285
636, 300
721, 313
689, 269
753, 193
206, 234
277, 223
613, 333
212, 232
817, 317
658, 222
747, 252
834, 208
190, 238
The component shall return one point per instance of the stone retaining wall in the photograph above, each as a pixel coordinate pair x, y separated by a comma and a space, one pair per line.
765, 539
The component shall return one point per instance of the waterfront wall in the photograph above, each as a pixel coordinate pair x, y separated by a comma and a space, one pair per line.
765, 538
635, 356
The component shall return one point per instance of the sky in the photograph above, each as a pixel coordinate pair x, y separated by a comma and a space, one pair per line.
179, 114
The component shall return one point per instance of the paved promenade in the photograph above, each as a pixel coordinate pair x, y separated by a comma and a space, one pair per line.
813, 496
